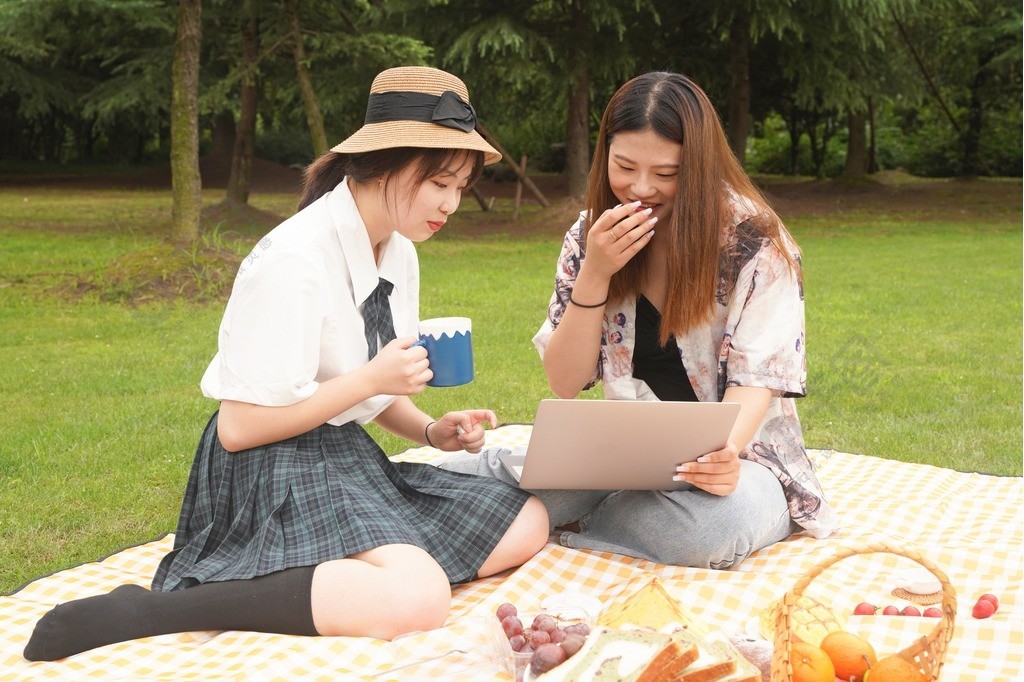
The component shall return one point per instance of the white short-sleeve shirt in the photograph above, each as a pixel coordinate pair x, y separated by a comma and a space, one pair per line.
294, 316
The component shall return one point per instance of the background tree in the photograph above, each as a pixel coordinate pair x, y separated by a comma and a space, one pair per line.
565, 46
969, 54
185, 181
244, 149
86, 81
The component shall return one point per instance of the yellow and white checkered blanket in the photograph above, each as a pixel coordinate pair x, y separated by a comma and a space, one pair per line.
969, 525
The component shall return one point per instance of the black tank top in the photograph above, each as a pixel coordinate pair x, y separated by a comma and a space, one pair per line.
660, 367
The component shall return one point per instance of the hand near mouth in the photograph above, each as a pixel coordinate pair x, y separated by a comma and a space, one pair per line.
618, 235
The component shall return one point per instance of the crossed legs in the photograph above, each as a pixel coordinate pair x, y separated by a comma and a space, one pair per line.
383, 592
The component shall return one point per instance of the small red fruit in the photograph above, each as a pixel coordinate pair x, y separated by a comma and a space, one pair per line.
983, 609
864, 609
992, 598
932, 612
890, 611
911, 611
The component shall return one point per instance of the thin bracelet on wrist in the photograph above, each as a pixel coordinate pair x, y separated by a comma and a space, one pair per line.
426, 434
581, 305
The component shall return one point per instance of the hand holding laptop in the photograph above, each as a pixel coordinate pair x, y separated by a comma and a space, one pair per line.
618, 444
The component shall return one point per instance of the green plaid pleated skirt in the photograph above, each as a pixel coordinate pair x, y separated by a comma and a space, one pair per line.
324, 495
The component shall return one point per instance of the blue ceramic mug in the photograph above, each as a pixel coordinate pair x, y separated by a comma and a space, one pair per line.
449, 344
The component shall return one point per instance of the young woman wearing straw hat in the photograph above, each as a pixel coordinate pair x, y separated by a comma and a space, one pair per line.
679, 282
294, 521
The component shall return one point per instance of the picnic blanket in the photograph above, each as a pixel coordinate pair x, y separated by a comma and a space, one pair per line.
969, 525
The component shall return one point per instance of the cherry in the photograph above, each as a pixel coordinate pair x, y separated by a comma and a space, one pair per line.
932, 612
983, 609
911, 611
991, 598
865, 609
890, 611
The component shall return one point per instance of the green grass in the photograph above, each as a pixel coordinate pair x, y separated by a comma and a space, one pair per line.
914, 338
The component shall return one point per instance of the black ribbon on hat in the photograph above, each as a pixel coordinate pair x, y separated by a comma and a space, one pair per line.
377, 318
448, 110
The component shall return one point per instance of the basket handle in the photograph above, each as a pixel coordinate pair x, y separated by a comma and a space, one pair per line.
948, 592
783, 622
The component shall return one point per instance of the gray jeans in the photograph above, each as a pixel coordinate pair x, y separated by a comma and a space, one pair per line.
683, 527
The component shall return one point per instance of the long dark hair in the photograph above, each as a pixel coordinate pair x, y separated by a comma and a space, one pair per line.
324, 174
675, 108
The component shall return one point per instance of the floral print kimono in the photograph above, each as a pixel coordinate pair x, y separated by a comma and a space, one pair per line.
755, 337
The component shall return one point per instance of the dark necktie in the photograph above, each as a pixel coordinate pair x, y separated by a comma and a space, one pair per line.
377, 317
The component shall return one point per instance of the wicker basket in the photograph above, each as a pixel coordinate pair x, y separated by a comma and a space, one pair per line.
926, 653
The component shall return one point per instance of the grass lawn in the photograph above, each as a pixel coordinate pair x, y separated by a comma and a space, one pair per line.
913, 327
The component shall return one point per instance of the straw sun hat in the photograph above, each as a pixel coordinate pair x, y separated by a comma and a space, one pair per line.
417, 106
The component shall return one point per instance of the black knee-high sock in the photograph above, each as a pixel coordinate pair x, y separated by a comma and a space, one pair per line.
278, 602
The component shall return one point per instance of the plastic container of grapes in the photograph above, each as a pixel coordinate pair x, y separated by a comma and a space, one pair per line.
518, 663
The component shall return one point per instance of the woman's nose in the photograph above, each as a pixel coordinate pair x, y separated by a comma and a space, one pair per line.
451, 203
643, 189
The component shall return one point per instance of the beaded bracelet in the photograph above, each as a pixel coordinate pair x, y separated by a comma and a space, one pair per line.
580, 305
426, 433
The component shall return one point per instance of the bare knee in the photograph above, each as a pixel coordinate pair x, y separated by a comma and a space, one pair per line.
417, 603
382, 593
525, 537
535, 527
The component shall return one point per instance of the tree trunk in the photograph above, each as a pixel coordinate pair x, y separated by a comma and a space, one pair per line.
223, 135
739, 92
793, 127
240, 179
794, 150
314, 119
857, 146
972, 161
185, 181
577, 146
577, 138
872, 149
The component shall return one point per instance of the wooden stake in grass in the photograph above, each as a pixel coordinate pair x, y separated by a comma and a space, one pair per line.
519, 188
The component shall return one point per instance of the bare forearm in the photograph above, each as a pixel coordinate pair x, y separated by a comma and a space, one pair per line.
753, 401
572, 351
405, 420
241, 426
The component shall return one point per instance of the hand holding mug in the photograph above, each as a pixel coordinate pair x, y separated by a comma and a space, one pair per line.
400, 368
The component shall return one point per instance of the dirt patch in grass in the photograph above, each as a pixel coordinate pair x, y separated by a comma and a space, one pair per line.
200, 273
231, 217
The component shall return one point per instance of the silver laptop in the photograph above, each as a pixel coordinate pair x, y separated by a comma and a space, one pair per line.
618, 444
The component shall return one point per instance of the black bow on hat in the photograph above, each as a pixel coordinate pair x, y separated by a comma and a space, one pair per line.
448, 109
453, 112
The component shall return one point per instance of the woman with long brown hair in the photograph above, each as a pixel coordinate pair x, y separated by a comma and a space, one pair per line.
679, 282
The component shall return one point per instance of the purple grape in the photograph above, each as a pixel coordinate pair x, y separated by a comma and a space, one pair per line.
572, 643
517, 642
546, 657
512, 626
557, 636
575, 628
544, 622
506, 610
538, 637
582, 628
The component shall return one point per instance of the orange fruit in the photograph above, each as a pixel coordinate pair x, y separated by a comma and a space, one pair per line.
850, 654
810, 664
894, 669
